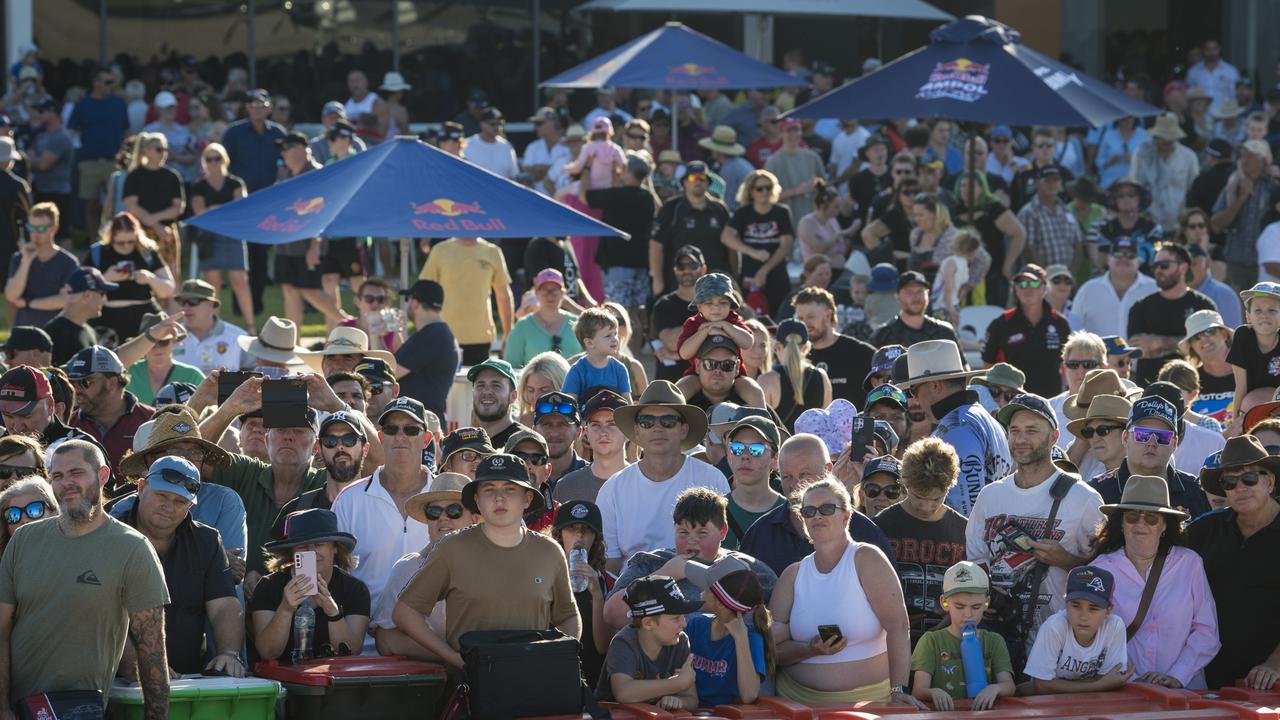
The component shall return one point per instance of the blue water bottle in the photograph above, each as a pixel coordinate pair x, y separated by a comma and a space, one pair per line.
975, 671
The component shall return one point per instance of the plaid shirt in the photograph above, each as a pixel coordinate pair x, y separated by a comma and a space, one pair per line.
1053, 234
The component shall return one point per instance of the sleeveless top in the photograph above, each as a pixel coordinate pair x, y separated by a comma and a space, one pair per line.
356, 108
836, 598
787, 408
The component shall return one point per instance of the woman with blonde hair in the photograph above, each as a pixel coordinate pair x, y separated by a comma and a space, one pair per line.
794, 384
758, 358
543, 373
761, 229
127, 257
154, 194
218, 252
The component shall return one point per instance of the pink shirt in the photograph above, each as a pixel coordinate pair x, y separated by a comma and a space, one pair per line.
603, 154
1180, 633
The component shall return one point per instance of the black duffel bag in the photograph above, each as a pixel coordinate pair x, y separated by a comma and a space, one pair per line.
524, 673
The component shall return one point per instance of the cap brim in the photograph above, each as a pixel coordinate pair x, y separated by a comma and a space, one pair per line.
698, 574
1092, 597
976, 589
17, 407
1108, 509
341, 538
941, 376
416, 506
625, 419
166, 486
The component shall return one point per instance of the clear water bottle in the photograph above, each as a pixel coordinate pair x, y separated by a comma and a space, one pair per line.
975, 671
304, 632
577, 580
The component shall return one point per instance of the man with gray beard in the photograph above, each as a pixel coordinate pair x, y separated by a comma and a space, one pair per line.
343, 449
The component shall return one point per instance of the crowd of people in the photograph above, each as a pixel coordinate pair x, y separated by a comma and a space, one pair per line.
723, 482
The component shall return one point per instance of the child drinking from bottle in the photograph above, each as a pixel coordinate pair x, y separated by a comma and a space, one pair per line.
578, 527
938, 662
731, 639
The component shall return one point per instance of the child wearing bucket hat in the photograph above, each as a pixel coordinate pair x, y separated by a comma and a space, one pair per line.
1255, 347
733, 617
715, 324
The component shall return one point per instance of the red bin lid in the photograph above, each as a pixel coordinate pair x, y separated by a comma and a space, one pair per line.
325, 671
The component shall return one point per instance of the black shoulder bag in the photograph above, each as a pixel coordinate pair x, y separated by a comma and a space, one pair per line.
1148, 592
524, 673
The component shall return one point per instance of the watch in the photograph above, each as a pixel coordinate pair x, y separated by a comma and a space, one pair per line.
333, 618
897, 690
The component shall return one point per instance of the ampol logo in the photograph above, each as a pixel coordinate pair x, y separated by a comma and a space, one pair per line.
301, 208
452, 211
960, 79
692, 73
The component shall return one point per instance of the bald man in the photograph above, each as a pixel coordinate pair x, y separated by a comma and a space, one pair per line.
778, 537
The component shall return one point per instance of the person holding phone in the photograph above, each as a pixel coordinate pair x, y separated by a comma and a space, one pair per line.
39, 269
341, 601
129, 258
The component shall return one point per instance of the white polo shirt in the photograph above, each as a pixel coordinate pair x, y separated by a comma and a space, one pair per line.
555, 158
218, 351
1098, 309
636, 511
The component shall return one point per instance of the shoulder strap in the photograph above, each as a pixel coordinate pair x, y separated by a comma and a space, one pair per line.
1061, 486
1148, 592
734, 526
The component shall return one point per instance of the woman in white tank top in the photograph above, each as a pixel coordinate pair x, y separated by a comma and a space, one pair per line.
850, 585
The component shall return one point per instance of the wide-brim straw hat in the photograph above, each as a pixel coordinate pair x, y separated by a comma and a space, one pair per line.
169, 428
662, 393
723, 140
1103, 407
1146, 493
935, 360
445, 486
278, 342
1239, 451
346, 341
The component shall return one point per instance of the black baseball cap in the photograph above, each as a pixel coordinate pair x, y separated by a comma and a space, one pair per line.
697, 167
27, 337
1031, 403
450, 130
491, 113
505, 468
909, 277
292, 139
580, 511
427, 292
258, 95
375, 370
717, 341
657, 595
556, 403
1049, 171
692, 252
1218, 149
466, 438
604, 399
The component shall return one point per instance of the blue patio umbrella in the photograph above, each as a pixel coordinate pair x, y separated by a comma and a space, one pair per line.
402, 188
673, 57
978, 70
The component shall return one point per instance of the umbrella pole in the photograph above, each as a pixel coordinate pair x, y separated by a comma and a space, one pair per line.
973, 172
404, 263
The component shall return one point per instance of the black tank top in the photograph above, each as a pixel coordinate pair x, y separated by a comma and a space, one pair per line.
787, 408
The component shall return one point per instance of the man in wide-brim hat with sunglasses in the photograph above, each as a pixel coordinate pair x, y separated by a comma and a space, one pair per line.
1239, 548
665, 427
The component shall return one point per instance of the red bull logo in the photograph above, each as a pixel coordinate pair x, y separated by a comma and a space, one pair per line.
300, 208
306, 207
960, 79
447, 208
451, 220
691, 73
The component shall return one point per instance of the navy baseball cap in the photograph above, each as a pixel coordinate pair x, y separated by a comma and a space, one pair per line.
375, 370
580, 511
93, 359
605, 399
406, 405
886, 393
1154, 407
90, 278
885, 464
911, 276
657, 595
557, 403
1124, 242
882, 362
1117, 346
173, 474
1049, 171
27, 337
345, 417
717, 341
1091, 584
1030, 402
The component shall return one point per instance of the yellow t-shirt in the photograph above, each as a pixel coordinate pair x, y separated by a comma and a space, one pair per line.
468, 274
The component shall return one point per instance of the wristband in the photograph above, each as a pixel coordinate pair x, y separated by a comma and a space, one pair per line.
333, 618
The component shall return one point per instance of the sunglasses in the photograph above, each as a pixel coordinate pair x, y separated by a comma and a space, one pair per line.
408, 430
688, 266
825, 509
1133, 517
1163, 264
331, 441
1124, 254
1145, 435
721, 365
374, 299
667, 421
1003, 394
873, 491
1100, 431
8, 472
695, 177
762, 188
213, 158
189, 302
634, 136
903, 172
532, 458
377, 389
163, 343
1025, 284
1229, 482
33, 510
453, 510
546, 407
756, 450
1197, 226
1081, 364
38, 228
1063, 280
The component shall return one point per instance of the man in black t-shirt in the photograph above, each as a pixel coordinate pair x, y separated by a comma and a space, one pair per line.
1157, 322
694, 218
1030, 335
670, 311
69, 330
629, 207
846, 360
429, 358
913, 325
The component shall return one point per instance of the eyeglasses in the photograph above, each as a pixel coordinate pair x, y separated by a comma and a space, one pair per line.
721, 365
1133, 517
1081, 364
189, 302
688, 266
8, 472
1026, 284
468, 456
374, 299
667, 421
825, 509
1100, 431
44, 227
546, 407
1145, 435
1063, 280
873, 491
1197, 226
1163, 264
331, 441
408, 430
756, 450
1250, 479
532, 458
85, 382
453, 510
637, 136
998, 393
32, 510
213, 158
1124, 255
1044, 145
762, 188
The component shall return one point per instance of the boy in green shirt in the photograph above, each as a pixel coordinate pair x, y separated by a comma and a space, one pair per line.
936, 662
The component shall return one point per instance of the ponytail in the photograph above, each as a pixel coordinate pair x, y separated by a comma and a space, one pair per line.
763, 621
793, 364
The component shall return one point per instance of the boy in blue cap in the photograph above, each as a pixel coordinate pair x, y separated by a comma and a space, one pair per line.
1082, 648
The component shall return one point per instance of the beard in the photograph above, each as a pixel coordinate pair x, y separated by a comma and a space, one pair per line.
82, 510
1165, 282
502, 412
343, 473
1037, 455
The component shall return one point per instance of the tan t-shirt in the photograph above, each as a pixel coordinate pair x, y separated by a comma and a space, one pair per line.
468, 274
487, 587
73, 598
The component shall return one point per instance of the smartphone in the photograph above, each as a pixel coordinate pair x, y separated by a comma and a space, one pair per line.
304, 565
284, 403
862, 436
1014, 536
228, 381
828, 632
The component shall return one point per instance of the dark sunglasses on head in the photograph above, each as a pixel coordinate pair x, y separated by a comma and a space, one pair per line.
1250, 479
737, 448
1145, 435
331, 441
667, 421
374, 299
873, 491
1100, 431
546, 407
43, 227
825, 509
409, 430
1081, 364
33, 510
1133, 517
453, 510
8, 472
1025, 284
722, 365
531, 458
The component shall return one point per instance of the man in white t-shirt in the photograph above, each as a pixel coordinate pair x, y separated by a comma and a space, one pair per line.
1009, 520
637, 502
489, 149
1269, 253
546, 155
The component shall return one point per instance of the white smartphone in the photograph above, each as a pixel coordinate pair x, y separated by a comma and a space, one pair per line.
304, 565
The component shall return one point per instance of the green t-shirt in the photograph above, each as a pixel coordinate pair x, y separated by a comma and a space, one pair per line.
938, 653
140, 385
72, 599
254, 483
743, 519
